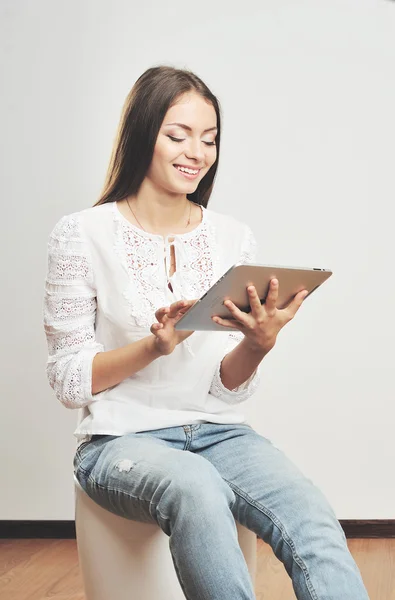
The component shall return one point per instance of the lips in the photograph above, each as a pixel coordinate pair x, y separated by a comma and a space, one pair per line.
187, 167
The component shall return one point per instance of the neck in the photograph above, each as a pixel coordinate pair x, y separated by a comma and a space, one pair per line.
160, 210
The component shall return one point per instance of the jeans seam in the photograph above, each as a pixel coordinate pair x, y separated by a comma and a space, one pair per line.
284, 534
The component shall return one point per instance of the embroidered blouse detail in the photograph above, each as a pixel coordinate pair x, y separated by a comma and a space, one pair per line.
105, 280
69, 314
143, 256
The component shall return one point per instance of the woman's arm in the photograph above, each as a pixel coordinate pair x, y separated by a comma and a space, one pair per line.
113, 366
78, 367
237, 374
69, 310
238, 365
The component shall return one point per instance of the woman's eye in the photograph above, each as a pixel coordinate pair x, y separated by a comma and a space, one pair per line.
182, 139
175, 139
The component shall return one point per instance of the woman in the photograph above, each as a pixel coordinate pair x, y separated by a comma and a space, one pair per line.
160, 435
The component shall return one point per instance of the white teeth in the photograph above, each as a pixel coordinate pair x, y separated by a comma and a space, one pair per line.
190, 171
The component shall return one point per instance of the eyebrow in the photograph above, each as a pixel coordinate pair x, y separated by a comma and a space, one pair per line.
189, 128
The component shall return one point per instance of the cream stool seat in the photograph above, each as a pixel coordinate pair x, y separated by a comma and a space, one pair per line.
122, 559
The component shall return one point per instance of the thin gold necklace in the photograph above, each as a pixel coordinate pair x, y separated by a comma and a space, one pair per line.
189, 219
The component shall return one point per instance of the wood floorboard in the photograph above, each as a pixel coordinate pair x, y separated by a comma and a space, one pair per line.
48, 569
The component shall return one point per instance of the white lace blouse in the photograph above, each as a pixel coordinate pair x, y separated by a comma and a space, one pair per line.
106, 278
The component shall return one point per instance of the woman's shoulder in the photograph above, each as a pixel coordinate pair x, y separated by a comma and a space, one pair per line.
94, 213
75, 225
228, 223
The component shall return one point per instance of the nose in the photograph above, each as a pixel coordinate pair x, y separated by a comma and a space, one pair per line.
195, 151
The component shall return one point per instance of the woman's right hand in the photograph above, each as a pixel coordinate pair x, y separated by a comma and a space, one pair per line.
166, 337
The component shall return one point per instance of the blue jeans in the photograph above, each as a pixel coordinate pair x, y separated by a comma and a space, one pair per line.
195, 480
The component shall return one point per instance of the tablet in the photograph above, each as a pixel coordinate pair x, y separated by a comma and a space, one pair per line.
233, 286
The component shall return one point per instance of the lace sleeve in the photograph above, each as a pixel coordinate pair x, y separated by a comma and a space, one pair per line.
248, 387
69, 312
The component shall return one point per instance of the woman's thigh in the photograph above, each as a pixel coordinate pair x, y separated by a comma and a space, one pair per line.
287, 510
271, 491
147, 476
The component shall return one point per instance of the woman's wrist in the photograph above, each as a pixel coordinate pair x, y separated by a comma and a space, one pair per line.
153, 347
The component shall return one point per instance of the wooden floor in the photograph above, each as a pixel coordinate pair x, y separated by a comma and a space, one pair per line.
40, 569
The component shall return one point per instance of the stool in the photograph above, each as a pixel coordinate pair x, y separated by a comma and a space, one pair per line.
131, 560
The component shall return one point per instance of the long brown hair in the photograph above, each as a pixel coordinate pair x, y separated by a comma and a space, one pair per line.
145, 107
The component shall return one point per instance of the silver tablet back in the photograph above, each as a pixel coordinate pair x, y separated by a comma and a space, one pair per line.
233, 285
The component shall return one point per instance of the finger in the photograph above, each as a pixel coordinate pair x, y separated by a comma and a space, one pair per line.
185, 302
236, 312
183, 306
159, 314
297, 302
178, 316
255, 301
273, 290
301, 296
178, 309
169, 310
177, 305
225, 323
272, 295
155, 327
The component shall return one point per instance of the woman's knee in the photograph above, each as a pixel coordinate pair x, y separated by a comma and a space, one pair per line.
194, 491
197, 479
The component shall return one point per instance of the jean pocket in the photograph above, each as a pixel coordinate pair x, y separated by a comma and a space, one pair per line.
78, 456
81, 446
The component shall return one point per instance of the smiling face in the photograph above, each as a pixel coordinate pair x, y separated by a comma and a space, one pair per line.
187, 138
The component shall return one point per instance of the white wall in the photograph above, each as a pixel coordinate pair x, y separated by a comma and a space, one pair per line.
308, 95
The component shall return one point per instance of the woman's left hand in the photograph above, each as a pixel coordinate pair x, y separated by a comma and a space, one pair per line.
262, 325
